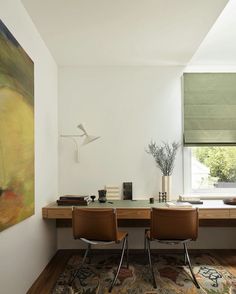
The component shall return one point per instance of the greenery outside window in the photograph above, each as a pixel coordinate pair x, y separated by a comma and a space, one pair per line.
210, 171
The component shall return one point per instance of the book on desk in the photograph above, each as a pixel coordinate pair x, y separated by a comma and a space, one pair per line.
178, 204
77, 200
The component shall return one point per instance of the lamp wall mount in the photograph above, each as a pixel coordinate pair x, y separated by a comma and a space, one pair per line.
88, 139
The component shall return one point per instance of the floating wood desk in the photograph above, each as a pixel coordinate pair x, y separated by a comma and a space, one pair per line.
137, 213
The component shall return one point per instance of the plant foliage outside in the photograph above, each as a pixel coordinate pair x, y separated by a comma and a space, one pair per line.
220, 160
164, 156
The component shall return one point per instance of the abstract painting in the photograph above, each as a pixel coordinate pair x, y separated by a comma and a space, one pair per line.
16, 131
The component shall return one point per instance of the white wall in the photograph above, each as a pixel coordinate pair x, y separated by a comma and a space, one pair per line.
127, 107
26, 248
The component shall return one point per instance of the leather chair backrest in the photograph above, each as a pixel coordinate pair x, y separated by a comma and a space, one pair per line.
94, 224
174, 224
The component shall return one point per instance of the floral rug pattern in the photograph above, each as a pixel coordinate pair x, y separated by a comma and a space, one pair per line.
171, 275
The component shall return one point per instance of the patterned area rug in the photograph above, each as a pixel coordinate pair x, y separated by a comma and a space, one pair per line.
171, 275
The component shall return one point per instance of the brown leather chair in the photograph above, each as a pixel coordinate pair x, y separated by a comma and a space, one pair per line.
173, 226
98, 226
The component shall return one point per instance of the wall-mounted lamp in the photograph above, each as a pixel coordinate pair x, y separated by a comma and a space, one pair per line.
88, 138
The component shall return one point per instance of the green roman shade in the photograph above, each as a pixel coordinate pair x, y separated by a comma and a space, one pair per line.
209, 109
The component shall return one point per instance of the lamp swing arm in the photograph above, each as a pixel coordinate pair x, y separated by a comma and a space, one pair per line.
71, 136
75, 140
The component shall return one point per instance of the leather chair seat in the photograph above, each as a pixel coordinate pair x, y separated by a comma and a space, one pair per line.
172, 226
98, 226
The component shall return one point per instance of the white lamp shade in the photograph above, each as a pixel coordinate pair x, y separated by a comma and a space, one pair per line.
88, 139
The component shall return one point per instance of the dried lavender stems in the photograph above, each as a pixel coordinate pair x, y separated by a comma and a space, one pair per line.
164, 156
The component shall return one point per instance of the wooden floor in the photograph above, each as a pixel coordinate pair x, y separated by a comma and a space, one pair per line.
46, 281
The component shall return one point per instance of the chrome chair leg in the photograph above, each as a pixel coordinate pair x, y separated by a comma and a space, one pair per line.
145, 241
127, 253
118, 269
185, 258
190, 266
82, 263
86, 253
150, 262
89, 254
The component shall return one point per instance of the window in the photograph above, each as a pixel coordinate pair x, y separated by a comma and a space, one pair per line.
210, 170
210, 132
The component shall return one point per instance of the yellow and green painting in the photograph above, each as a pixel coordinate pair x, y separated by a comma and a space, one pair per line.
16, 131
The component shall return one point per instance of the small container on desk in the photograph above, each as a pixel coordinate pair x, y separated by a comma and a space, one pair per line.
151, 200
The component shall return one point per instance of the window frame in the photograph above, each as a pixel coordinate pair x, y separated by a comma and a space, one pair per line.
217, 193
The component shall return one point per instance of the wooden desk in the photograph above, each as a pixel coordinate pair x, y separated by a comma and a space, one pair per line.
137, 213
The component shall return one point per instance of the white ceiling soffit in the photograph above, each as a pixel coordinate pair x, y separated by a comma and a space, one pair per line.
218, 49
123, 32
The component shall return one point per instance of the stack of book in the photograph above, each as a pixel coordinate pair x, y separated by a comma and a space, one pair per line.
74, 200
192, 200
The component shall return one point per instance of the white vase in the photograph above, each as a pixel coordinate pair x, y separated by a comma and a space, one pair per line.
166, 186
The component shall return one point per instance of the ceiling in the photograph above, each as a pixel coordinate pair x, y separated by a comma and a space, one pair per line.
123, 32
219, 46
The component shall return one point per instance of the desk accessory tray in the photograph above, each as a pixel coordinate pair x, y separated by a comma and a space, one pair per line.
74, 197
73, 202
69, 200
